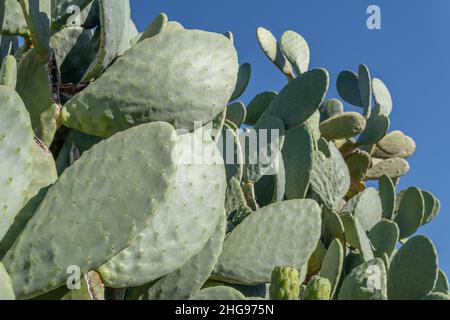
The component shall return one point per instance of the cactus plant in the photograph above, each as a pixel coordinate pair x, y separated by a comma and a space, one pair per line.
127, 157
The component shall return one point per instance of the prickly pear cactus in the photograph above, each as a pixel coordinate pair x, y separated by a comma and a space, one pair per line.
285, 284
270, 198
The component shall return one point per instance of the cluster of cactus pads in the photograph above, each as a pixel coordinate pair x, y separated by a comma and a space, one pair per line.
97, 124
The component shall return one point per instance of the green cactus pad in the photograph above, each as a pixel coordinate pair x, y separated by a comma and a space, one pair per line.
298, 151
243, 79
264, 240
343, 126
387, 194
6, 289
38, 17
34, 89
42, 176
296, 50
262, 147
330, 178
395, 145
16, 145
73, 52
428, 217
414, 270
258, 105
272, 50
187, 281
348, 88
284, 284
365, 282
441, 283
231, 151
358, 163
365, 88
410, 213
315, 261
197, 194
114, 19
219, 293
436, 296
95, 235
12, 19
330, 108
8, 72
271, 188
184, 93
382, 96
333, 264
393, 168
157, 26
236, 113
318, 288
333, 227
366, 207
431, 206
376, 128
356, 236
300, 98
384, 237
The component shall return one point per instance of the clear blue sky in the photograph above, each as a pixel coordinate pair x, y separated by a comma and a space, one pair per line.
411, 53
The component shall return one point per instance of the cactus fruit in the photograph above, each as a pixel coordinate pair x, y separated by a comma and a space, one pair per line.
284, 284
318, 288
130, 167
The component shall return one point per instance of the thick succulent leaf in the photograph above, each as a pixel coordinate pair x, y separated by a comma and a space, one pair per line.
243, 79
271, 188
384, 237
300, 98
395, 145
38, 17
12, 19
236, 113
414, 270
264, 240
358, 163
410, 213
382, 96
332, 227
441, 283
376, 128
330, 178
366, 207
272, 50
114, 24
197, 195
356, 236
69, 13
8, 72
157, 26
34, 87
436, 296
6, 289
393, 168
16, 152
333, 265
330, 108
365, 282
348, 88
298, 151
261, 147
343, 126
258, 106
185, 94
42, 176
296, 50
219, 293
105, 214
387, 194
365, 88
231, 151
187, 281
73, 52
